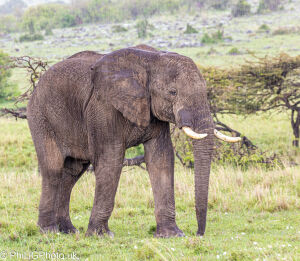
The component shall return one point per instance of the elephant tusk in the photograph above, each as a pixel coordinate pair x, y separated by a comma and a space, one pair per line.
197, 136
221, 136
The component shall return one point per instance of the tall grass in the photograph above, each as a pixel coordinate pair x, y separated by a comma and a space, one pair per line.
251, 215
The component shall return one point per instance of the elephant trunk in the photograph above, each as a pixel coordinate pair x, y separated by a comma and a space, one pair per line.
203, 150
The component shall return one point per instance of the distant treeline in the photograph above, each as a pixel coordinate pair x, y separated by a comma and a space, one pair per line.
60, 15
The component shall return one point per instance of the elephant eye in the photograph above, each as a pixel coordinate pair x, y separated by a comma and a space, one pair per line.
173, 92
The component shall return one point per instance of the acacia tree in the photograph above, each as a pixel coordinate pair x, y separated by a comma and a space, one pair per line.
270, 84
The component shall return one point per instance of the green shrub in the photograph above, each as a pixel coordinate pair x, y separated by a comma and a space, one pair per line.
104, 11
31, 37
190, 30
40, 17
264, 28
143, 27
9, 24
215, 37
225, 154
268, 5
119, 29
59, 15
234, 51
142, 8
242, 8
6, 89
4, 73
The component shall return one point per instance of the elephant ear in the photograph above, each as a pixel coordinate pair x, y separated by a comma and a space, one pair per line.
125, 89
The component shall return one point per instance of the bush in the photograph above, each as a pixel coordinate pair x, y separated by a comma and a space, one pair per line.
59, 15
219, 4
9, 24
226, 154
268, 5
286, 30
281, 31
40, 17
242, 8
264, 28
236, 155
30, 37
119, 29
143, 27
190, 30
5, 88
216, 37
234, 51
142, 8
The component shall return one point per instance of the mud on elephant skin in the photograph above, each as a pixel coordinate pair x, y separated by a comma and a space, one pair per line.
89, 108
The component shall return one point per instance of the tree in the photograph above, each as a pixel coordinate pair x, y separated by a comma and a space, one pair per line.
270, 84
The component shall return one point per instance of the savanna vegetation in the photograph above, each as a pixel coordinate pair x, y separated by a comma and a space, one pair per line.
16, 17
247, 53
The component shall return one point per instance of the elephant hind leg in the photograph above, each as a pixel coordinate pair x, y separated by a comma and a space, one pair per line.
73, 170
59, 175
51, 167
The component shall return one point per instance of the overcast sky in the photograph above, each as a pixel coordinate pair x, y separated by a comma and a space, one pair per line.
35, 2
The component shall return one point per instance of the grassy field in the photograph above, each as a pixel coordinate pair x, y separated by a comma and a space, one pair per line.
253, 214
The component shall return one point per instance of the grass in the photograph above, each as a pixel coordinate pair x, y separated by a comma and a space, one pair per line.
252, 214
16, 147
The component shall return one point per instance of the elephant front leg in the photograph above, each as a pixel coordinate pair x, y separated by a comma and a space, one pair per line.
159, 157
107, 172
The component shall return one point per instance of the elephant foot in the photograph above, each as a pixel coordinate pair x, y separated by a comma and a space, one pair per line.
100, 230
168, 231
49, 229
65, 225
200, 233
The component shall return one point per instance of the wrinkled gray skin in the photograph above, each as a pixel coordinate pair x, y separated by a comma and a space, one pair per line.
90, 108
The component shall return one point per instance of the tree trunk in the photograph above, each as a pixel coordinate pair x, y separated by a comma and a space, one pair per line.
296, 127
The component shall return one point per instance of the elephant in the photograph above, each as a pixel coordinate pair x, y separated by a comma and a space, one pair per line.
89, 108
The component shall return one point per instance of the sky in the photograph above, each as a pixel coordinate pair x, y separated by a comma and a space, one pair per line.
35, 2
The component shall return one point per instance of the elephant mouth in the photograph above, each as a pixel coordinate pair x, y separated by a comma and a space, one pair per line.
198, 136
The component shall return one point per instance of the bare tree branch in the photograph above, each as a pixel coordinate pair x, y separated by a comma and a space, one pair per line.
18, 113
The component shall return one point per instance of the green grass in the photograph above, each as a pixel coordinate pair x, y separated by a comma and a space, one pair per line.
16, 147
252, 214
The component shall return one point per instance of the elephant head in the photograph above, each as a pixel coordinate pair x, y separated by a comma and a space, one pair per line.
147, 84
